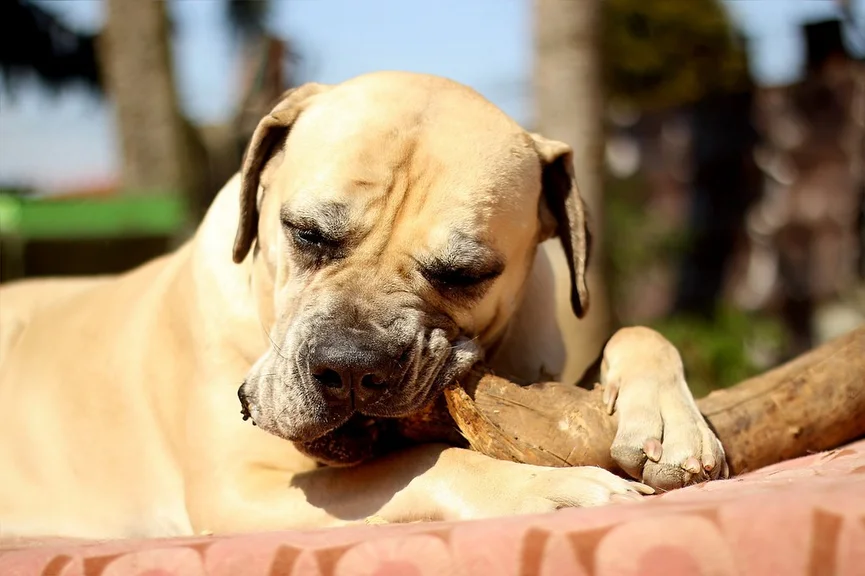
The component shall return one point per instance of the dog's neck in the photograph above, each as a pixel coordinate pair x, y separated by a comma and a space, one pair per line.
233, 318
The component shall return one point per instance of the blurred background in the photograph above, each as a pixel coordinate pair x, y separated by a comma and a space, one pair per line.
720, 144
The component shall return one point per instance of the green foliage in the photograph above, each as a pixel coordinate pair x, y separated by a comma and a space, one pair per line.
717, 352
663, 53
724, 350
635, 240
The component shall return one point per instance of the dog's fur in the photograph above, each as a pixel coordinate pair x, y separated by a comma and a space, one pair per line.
385, 231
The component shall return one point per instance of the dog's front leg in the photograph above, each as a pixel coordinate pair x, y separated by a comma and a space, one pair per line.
662, 438
429, 482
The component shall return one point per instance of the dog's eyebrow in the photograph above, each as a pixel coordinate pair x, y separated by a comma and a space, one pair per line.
330, 218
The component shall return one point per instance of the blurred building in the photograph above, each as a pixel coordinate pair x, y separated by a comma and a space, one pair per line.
803, 235
766, 186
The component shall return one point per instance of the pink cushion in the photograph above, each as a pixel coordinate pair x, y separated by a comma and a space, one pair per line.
802, 517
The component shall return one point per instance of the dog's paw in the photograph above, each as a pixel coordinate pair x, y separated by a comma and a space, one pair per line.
582, 486
531, 489
662, 439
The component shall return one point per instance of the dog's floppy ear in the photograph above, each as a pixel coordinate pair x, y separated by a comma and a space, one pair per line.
268, 135
563, 214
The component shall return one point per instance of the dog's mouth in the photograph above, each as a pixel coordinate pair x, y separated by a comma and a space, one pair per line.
332, 427
345, 443
357, 439
361, 438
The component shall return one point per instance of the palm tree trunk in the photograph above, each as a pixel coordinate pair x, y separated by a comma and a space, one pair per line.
135, 57
569, 107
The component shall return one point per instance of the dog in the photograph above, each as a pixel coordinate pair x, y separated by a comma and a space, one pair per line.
377, 242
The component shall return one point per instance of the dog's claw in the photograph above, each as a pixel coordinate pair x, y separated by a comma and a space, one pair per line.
653, 449
692, 465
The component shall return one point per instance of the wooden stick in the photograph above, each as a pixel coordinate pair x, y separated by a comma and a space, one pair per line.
815, 402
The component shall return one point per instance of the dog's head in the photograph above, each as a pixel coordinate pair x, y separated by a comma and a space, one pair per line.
393, 220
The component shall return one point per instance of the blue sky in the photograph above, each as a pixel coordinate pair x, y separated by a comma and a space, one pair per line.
69, 140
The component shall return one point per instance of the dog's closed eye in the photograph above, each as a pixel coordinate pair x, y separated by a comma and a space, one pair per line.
312, 237
313, 246
465, 268
467, 281
321, 239
443, 277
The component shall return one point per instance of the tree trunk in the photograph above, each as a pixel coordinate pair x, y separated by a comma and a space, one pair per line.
569, 107
157, 151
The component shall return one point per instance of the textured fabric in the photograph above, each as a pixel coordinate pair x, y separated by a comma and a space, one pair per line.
802, 517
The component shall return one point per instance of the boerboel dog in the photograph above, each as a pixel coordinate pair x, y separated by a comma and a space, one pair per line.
377, 241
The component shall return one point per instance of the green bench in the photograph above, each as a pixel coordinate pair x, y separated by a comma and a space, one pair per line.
129, 215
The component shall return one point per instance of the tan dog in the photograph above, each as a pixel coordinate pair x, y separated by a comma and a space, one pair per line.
385, 231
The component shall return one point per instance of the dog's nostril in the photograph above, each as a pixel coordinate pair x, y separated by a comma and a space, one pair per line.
329, 378
370, 381
406, 356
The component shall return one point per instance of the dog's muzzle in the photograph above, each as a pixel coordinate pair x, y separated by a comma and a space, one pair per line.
331, 384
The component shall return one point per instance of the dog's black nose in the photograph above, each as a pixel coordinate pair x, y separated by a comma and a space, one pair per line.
345, 365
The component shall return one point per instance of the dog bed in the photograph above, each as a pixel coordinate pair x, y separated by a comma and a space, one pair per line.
801, 517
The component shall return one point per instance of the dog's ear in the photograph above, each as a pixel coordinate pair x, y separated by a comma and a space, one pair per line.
563, 214
267, 137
